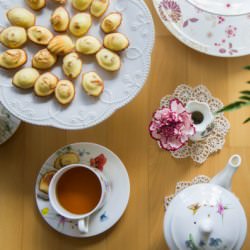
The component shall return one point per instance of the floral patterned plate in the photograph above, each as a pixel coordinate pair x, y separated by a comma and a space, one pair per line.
115, 172
224, 36
223, 7
8, 124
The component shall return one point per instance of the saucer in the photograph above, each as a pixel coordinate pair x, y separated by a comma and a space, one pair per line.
223, 36
8, 125
223, 7
117, 199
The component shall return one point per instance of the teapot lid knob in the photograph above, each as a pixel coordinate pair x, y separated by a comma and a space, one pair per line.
206, 226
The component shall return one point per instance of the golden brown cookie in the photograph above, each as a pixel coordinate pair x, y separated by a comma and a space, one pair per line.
36, 4
45, 181
81, 5
66, 159
43, 59
25, 78
72, 65
65, 92
61, 45
111, 22
116, 42
108, 60
80, 24
21, 17
98, 7
45, 84
60, 19
88, 45
60, 1
13, 37
39, 35
13, 58
92, 83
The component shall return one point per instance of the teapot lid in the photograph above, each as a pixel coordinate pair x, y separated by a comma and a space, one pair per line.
205, 216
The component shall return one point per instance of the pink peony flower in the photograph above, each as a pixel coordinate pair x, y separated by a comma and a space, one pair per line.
172, 126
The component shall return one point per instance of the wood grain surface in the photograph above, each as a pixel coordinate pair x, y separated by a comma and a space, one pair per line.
153, 172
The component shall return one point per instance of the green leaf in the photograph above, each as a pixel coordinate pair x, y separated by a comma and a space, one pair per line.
247, 67
245, 92
247, 120
232, 106
244, 97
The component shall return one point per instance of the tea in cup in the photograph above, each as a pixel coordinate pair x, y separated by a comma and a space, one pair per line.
76, 192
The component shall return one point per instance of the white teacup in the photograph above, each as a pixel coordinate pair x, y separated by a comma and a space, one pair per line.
83, 219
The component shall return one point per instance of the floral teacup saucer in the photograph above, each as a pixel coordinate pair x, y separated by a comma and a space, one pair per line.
8, 124
96, 156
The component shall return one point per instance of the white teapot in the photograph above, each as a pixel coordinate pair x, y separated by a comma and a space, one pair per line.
207, 216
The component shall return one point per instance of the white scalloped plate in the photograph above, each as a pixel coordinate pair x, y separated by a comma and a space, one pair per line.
117, 199
120, 87
223, 7
223, 36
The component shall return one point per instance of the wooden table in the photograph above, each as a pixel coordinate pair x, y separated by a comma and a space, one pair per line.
153, 172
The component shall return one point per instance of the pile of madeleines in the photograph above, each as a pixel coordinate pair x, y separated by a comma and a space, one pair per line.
24, 27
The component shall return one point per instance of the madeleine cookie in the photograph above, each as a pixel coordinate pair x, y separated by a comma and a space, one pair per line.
108, 60
21, 17
36, 4
116, 42
45, 84
60, 19
98, 7
39, 35
43, 59
80, 24
66, 159
25, 78
13, 37
13, 58
45, 181
61, 45
81, 5
88, 45
65, 92
92, 84
72, 65
111, 22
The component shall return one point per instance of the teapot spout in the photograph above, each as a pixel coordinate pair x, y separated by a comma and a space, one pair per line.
224, 178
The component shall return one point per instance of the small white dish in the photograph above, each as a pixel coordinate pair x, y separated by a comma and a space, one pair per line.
114, 207
217, 35
8, 124
223, 7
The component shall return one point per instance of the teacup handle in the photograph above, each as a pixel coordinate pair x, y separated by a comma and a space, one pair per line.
83, 225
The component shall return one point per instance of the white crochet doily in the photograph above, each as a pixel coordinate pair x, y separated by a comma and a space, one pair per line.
184, 184
200, 150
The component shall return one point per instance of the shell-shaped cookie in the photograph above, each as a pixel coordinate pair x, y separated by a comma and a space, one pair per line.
108, 60
92, 83
45, 181
88, 45
72, 65
13, 37
21, 17
39, 35
45, 84
116, 42
65, 92
60, 19
25, 78
80, 24
81, 5
98, 7
66, 159
43, 59
13, 58
111, 22
61, 45
36, 4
